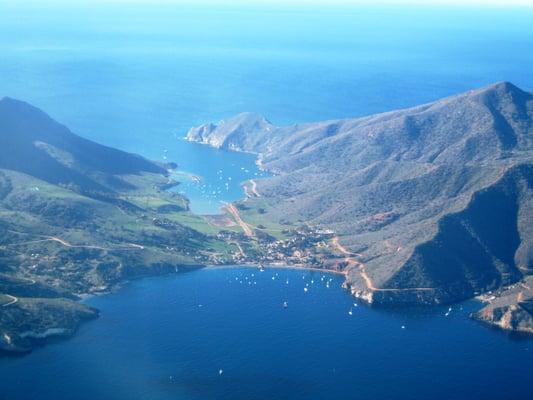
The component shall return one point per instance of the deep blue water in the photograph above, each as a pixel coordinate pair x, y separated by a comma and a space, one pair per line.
168, 338
137, 78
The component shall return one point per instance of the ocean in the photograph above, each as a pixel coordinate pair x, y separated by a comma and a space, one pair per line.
138, 77
223, 333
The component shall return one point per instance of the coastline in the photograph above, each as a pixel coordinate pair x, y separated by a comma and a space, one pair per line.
67, 331
506, 318
275, 266
83, 297
38, 339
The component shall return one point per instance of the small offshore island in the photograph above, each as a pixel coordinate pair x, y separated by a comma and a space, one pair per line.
398, 203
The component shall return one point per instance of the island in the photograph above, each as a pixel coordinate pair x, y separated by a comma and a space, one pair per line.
424, 206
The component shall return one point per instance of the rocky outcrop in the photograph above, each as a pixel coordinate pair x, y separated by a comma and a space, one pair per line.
511, 309
34, 320
238, 133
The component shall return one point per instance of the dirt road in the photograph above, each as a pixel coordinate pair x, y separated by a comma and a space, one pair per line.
351, 260
235, 213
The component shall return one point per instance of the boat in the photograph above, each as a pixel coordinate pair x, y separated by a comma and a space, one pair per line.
261, 268
285, 304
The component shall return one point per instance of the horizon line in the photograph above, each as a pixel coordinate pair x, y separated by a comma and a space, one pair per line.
288, 3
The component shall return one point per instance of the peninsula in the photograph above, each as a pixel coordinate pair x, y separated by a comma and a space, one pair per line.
429, 205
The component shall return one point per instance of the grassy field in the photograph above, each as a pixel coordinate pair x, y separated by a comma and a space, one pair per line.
255, 213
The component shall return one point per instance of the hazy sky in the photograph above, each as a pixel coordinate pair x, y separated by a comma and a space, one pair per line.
303, 2
347, 2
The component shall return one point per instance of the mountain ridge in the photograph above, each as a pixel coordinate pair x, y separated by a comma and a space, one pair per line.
391, 183
276, 134
31, 134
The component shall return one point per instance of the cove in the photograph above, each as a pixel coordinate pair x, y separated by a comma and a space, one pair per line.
223, 333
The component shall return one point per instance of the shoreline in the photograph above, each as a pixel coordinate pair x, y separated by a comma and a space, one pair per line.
276, 266
113, 289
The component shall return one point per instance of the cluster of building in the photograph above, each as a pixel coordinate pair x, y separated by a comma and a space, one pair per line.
304, 246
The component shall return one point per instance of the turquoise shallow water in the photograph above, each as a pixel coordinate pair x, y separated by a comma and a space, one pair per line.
137, 78
169, 337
